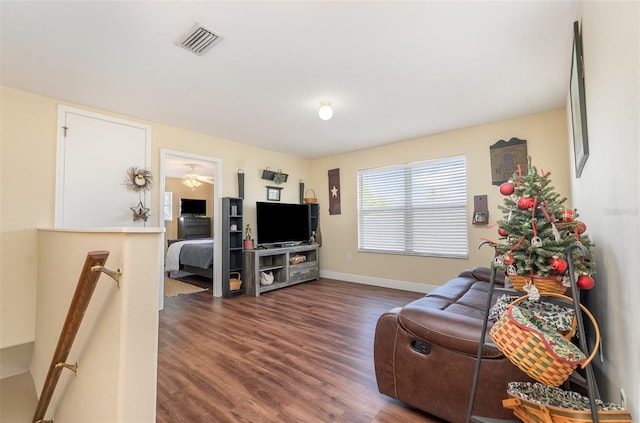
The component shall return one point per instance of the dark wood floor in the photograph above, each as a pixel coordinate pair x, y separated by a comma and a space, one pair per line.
299, 354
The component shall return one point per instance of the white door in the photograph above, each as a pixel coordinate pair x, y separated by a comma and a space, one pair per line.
94, 155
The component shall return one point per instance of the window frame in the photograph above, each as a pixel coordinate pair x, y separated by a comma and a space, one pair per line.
445, 203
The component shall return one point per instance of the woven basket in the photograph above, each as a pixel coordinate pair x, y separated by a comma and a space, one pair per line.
530, 412
310, 199
545, 284
526, 349
234, 283
531, 406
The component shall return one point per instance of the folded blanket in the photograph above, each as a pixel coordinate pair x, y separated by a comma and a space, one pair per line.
197, 255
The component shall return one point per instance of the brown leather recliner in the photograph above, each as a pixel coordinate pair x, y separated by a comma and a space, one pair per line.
425, 352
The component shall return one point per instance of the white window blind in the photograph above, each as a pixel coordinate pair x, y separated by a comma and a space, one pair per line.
414, 209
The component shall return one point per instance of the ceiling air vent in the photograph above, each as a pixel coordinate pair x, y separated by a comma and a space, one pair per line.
199, 40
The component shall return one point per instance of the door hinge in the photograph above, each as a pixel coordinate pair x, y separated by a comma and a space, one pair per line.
65, 131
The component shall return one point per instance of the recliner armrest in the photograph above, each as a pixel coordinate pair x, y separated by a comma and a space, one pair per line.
454, 331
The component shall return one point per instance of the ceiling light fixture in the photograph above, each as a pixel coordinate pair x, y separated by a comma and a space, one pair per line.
192, 179
325, 111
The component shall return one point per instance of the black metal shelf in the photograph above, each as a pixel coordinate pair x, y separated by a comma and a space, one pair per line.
587, 382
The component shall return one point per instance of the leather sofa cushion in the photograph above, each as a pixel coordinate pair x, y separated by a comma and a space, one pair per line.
452, 314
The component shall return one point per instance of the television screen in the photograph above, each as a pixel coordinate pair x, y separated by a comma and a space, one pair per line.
193, 207
282, 223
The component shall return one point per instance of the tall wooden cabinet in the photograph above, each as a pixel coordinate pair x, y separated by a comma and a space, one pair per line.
232, 237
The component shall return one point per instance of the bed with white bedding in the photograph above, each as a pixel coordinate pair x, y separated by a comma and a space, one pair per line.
192, 256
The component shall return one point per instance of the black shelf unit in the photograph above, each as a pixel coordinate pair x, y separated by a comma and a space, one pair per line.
315, 216
232, 239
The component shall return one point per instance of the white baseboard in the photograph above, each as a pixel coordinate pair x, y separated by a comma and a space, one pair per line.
384, 283
15, 360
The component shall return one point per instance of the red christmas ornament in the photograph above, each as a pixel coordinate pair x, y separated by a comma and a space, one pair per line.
525, 203
580, 228
585, 282
502, 232
558, 264
507, 188
567, 215
507, 259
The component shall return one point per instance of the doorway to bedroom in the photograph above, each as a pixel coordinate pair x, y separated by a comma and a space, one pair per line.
189, 205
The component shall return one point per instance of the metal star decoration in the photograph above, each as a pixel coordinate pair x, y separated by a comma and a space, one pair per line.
140, 212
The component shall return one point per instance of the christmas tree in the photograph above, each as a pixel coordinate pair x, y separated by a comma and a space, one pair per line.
537, 230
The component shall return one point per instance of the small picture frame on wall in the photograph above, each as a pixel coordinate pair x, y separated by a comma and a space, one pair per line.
505, 158
273, 193
578, 104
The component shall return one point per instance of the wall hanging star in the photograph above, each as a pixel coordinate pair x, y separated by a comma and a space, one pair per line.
334, 189
140, 212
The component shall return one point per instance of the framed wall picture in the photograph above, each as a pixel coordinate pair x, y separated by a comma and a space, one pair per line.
578, 104
505, 158
273, 193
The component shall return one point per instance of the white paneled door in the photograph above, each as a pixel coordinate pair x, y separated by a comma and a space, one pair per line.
94, 154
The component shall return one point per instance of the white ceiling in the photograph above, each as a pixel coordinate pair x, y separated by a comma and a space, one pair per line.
177, 166
393, 70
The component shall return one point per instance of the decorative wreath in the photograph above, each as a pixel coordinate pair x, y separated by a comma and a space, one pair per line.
138, 179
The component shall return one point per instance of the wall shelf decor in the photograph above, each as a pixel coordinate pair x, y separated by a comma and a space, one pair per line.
278, 177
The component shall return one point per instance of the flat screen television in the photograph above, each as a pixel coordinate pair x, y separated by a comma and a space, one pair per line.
282, 223
193, 207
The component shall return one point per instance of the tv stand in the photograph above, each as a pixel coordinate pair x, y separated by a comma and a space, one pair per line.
278, 262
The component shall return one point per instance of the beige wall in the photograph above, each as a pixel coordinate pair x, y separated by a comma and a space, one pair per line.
27, 186
546, 135
179, 190
607, 193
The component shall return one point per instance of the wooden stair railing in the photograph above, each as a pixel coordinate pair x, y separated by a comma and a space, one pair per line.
93, 265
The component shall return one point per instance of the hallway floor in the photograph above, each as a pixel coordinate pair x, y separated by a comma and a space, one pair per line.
18, 399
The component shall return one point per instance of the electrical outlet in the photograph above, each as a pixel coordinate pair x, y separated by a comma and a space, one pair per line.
348, 256
623, 398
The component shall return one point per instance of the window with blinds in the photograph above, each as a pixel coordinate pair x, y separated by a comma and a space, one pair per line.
414, 209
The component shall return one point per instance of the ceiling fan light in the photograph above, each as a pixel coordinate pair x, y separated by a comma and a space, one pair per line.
192, 183
325, 111
192, 179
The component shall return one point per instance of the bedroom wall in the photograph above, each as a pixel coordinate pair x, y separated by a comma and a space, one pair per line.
179, 190
546, 135
608, 191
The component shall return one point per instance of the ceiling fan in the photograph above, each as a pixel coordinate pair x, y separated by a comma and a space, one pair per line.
193, 180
